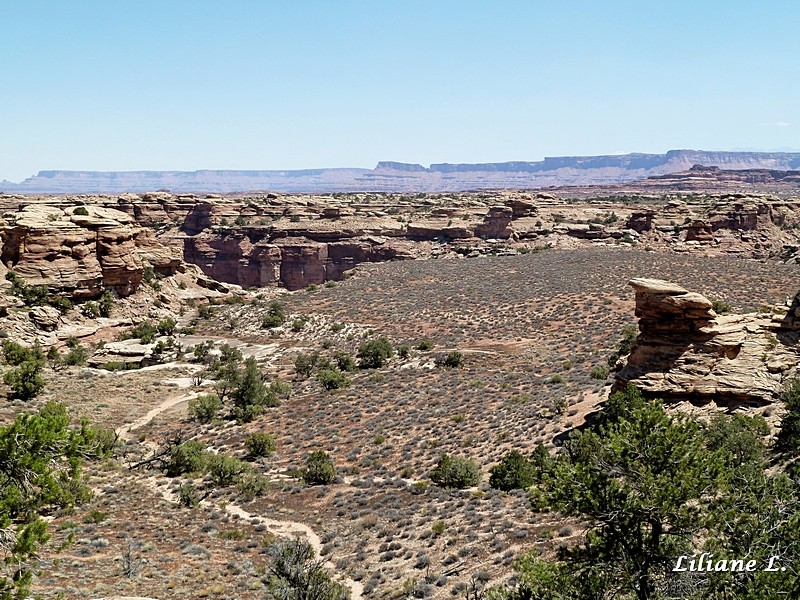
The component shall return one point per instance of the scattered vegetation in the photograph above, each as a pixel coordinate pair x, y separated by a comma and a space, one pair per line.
375, 353
320, 469
456, 472
40, 471
260, 444
275, 317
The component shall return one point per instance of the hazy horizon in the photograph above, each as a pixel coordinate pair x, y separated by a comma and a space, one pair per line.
204, 85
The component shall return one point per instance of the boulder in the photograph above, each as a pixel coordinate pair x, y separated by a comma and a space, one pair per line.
45, 318
640, 221
129, 353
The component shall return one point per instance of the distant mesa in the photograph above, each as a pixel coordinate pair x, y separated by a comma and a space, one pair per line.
398, 177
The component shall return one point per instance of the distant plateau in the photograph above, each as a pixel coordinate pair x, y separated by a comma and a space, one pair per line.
398, 177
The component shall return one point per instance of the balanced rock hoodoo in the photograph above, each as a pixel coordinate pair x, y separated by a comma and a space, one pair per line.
686, 351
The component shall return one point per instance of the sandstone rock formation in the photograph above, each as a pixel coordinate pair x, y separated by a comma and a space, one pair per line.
45, 317
80, 250
126, 354
80, 245
685, 351
497, 223
255, 259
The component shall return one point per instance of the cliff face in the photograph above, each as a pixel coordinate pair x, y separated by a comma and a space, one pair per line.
292, 262
297, 240
685, 351
80, 254
403, 177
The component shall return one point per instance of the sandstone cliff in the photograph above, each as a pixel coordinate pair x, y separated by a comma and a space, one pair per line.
80, 250
685, 351
297, 240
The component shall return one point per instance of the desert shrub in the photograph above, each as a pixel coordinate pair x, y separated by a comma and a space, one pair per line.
145, 331
166, 326
206, 311
344, 361
541, 461
204, 409
721, 307
26, 380
275, 317
106, 303
103, 439
404, 351
81, 210
789, 436
225, 470
253, 485
90, 310
148, 275
629, 334
41, 473
296, 572
740, 436
15, 354
451, 360
320, 469
251, 394
299, 323
280, 389
114, 365
599, 372
202, 350
513, 472
332, 379
455, 472
260, 444
188, 457
32, 295
187, 496
304, 364
95, 516
620, 405
375, 353
64, 305
425, 345
658, 502
77, 356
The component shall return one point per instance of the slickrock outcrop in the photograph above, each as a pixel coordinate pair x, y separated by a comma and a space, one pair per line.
79, 250
497, 223
685, 351
699, 231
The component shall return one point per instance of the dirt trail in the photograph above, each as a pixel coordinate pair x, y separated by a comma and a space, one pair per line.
275, 526
153, 413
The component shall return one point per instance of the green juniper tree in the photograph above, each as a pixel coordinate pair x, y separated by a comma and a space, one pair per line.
40, 472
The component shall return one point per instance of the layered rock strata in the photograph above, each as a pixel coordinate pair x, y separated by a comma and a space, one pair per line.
685, 351
80, 250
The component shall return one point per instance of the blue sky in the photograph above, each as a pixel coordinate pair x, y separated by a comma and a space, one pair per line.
162, 85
